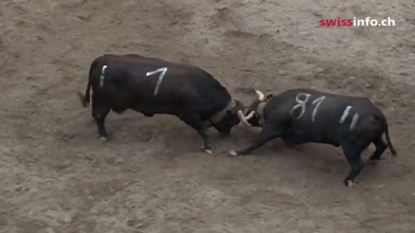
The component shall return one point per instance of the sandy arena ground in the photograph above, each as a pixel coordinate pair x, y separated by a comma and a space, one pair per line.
56, 176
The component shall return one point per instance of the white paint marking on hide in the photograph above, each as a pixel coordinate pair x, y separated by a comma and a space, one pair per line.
345, 114
300, 104
303, 105
101, 80
354, 121
162, 72
317, 102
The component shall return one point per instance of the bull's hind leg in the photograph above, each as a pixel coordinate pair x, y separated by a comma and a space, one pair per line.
353, 151
197, 123
267, 133
99, 118
99, 113
380, 148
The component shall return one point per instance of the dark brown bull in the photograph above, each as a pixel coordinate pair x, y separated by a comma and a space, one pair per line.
155, 86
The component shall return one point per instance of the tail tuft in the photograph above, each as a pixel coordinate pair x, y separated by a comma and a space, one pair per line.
393, 152
83, 99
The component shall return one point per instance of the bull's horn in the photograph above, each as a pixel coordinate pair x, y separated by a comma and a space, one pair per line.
242, 118
250, 115
261, 95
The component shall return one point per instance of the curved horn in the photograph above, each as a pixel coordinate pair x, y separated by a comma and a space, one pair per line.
250, 115
242, 118
261, 95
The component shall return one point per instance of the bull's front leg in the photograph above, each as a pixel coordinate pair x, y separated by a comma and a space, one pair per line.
197, 123
267, 133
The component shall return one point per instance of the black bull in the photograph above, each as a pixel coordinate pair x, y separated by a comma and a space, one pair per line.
304, 115
155, 86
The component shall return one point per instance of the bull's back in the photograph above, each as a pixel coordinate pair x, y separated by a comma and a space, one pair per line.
157, 81
146, 73
323, 117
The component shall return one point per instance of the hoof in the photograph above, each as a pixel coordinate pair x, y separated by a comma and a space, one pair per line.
208, 151
233, 153
373, 162
350, 184
104, 139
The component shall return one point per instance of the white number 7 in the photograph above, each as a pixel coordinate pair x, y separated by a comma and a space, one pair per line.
162, 72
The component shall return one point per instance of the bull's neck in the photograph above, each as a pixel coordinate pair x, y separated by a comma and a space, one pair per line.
260, 109
218, 116
260, 112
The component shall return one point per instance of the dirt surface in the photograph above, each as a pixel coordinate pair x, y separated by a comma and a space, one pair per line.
56, 176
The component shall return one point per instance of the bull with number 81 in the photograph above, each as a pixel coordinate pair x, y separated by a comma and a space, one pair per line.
302, 115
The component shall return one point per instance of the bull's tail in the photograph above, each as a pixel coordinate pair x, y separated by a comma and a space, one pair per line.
85, 99
388, 140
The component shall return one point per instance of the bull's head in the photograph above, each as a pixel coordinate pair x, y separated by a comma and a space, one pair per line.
253, 116
229, 118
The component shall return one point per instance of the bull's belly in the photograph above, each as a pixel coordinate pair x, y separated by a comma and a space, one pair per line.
150, 111
300, 137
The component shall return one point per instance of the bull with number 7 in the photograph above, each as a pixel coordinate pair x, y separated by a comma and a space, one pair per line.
155, 86
302, 115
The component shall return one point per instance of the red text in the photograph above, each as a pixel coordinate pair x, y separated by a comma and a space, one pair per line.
339, 22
